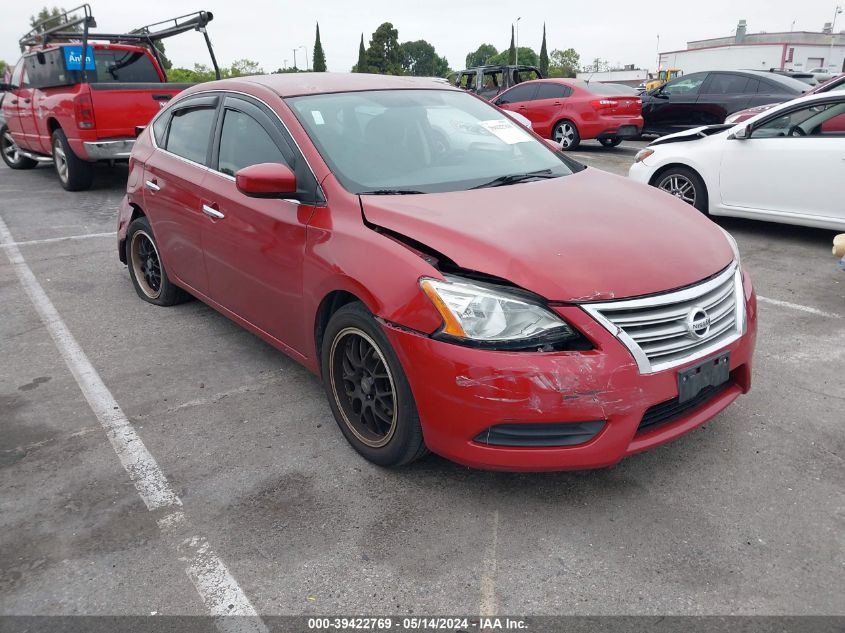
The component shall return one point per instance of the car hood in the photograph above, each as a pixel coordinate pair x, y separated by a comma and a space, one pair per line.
694, 134
588, 236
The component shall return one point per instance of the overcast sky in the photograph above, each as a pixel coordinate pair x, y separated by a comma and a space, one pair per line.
620, 31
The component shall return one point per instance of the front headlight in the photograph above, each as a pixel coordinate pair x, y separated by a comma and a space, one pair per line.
643, 154
491, 317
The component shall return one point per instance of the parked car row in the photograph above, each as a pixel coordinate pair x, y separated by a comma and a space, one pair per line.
783, 165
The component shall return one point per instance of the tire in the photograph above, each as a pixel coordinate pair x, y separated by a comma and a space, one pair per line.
566, 133
684, 184
145, 268
11, 152
358, 364
74, 173
610, 142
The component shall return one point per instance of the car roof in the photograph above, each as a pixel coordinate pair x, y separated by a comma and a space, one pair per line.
823, 96
298, 84
787, 82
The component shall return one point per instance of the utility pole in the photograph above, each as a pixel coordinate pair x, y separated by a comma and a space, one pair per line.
306, 56
833, 39
516, 59
294, 58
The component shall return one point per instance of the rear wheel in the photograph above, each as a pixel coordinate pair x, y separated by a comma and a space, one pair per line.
367, 389
566, 133
610, 142
74, 173
684, 184
12, 153
146, 269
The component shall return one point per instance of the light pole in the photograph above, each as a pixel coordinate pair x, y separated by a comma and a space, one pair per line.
294, 59
516, 57
286, 64
306, 56
833, 38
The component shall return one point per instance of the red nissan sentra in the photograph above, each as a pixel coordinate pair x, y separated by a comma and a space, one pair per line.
459, 286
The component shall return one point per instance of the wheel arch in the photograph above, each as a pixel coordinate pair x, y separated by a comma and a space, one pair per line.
137, 212
330, 304
663, 169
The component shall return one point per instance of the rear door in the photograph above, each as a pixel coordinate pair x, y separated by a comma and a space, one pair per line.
173, 179
547, 107
723, 94
17, 107
492, 83
792, 164
254, 247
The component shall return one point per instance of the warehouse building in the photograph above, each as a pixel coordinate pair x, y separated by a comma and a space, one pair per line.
794, 50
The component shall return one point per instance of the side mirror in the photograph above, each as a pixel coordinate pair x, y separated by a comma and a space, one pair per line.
742, 133
266, 180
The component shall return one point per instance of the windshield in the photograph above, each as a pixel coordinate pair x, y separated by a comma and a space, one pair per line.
421, 141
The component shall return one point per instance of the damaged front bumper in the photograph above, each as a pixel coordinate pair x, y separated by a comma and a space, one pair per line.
556, 411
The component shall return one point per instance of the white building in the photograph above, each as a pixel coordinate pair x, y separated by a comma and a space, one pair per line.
628, 76
798, 50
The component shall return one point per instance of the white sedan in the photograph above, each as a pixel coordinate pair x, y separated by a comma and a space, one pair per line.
784, 165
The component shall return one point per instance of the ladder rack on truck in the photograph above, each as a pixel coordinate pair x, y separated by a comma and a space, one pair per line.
62, 28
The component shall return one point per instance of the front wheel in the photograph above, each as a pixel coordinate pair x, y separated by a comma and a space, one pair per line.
367, 389
12, 153
684, 184
610, 142
566, 133
74, 173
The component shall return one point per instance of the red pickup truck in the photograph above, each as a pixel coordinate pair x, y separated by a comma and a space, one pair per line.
57, 111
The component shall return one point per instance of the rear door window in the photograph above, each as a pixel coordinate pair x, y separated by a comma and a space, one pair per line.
726, 84
491, 83
552, 91
518, 94
190, 133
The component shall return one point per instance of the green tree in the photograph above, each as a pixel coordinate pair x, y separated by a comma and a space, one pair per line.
165, 61
544, 55
383, 55
201, 72
361, 66
512, 50
481, 55
242, 67
50, 17
564, 63
4, 68
319, 57
420, 59
526, 56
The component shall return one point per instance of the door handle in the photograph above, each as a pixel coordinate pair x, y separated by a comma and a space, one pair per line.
26, 100
212, 212
13, 101
149, 184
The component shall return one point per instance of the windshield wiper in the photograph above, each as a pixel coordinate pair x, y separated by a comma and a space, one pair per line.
389, 192
514, 178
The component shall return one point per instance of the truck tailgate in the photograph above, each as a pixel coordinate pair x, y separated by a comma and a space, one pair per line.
119, 107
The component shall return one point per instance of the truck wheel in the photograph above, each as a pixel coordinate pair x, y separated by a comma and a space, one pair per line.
74, 173
12, 153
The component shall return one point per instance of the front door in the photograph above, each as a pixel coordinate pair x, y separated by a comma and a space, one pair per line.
254, 247
793, 163
672, 108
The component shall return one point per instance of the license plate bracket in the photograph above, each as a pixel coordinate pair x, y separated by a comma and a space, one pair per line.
712, 372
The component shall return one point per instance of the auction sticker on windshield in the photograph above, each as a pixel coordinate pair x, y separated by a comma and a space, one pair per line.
506, 131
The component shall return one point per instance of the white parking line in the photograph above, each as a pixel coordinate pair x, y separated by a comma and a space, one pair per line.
216, 586
488, 573
50, 240
798, 306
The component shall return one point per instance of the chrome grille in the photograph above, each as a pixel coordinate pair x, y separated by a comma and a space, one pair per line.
670, 329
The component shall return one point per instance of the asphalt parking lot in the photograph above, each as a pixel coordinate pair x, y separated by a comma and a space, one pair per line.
743, 516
